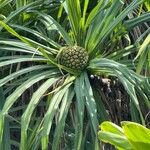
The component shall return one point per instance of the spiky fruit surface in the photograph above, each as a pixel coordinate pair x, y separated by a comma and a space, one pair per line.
73, 57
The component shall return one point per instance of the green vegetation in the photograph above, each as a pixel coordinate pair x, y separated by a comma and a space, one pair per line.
67, 66
132, 136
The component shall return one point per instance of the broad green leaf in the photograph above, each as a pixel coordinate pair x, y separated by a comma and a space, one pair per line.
111, 127
134, 137
138, 135
113, 134
119, 141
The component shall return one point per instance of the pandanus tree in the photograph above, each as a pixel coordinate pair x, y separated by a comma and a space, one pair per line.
49, 97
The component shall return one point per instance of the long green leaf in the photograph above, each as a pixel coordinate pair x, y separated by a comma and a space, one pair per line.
80, 107
54, 104
18, 60
16, 94
60, 29
129, 24
67, 99
21, 72
30, 108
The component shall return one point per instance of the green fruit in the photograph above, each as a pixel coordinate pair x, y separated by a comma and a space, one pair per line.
73, 57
